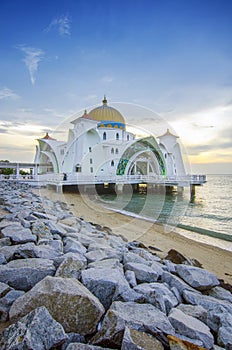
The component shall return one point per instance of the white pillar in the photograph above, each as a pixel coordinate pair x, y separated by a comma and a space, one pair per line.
17, 171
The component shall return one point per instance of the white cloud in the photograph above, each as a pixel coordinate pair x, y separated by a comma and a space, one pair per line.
6, 93
33, 56
107, 79
62, 24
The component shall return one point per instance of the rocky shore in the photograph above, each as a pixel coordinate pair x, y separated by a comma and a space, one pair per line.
66, 283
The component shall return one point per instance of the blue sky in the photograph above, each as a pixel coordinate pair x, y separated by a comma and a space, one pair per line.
173, 57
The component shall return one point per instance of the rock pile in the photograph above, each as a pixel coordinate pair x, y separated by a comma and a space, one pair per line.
69, 284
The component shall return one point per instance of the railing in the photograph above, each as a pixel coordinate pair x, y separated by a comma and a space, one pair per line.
70, 179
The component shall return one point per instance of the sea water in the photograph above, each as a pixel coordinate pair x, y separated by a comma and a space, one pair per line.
208, 216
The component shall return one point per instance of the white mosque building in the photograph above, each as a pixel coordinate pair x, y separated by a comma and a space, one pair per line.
99, 149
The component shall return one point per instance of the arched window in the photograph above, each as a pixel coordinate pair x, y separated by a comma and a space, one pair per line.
112, 151
117, 136
91, 161
116, 151
165, 155
128, 137
104, 135
112, 163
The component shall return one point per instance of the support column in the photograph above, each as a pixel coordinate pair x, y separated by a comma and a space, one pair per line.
180, 189
119, 188
59, 189
17, 171
192, 191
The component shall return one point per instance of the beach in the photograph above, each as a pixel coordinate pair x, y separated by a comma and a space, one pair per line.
212, 258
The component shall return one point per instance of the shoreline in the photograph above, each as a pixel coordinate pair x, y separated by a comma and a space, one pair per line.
214, 259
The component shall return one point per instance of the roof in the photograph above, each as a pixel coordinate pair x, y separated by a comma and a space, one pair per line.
105, 113
168, 133
47, 137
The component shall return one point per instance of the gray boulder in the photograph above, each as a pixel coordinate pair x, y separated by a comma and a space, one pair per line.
176, 282
4, 289
206, 301
130, 257
143, 273
103, 253
37, 331
220, 293
68, 301
80, 346
105, 263
23, 274
24, 251
142, 317
73, 246
18, 234
218, 317
158, 295
6, 302
136, 340
103, 283
196, 277
191, 327
2, 259
196, 311
130, 277
70, 268
225, 337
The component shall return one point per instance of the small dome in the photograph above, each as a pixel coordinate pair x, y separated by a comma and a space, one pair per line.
106, 113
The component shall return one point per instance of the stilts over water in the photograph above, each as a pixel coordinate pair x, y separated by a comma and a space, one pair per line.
100, 152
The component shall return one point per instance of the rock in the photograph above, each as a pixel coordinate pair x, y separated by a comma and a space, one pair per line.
158, 295
75, 256
207, 302
8, 251
142, 317
220, 293
41, 230
73, 246
41, 215
68, 301
48, 252
196, 311
179, 344
103, 283
18, 234
24, 251
2, 259
106, 263
79, 346
23, 274
176, 282
191, 327
143, 273
70, 268
6, 302
176, 257
135, 340
218, 317
101, 254
225, 337
5, 242
130, 257
130, 277
73, 338
4, 289
56, 228
37, 331
196, 277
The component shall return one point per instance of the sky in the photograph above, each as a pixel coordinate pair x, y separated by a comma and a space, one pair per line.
169, 58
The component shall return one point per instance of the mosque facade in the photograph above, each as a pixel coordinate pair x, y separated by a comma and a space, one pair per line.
100, 147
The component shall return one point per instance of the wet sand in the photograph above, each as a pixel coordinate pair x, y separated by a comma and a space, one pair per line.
214, 259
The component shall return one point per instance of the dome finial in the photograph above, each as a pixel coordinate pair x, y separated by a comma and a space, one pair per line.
104, 101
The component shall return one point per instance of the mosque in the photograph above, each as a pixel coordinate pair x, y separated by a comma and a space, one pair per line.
99, 149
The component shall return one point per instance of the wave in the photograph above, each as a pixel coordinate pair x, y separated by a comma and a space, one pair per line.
203, 231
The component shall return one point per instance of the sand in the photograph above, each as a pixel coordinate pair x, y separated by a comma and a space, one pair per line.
214, 259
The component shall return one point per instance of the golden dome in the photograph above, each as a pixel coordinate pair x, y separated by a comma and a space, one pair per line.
106, 113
